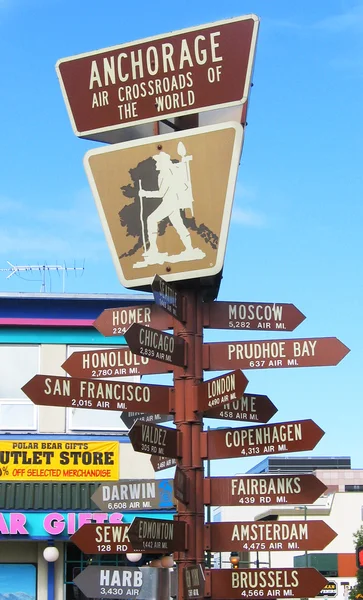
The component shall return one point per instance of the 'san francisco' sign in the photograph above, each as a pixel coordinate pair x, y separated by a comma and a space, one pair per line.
262, 490
271, 354
268, 536
292, 436
186, 72
48, 390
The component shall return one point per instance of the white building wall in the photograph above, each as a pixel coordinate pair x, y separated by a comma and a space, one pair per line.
52, 419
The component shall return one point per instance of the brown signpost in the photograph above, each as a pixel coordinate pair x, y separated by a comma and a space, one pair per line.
262, 490
183, 73
134, 494
160, 463
220, 390
250, 407
130, 418
157, 345
271, 354
113, 322
268, 536
292, 436
154, 439
263, 583
49, 390
181, 486
194, 582
115, 362
168, 298
157, 535
103, 538
252, 316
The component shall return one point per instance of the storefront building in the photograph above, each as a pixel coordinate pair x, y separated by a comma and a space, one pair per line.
52, 459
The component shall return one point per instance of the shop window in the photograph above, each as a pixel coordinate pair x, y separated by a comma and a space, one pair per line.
18, 364
83, 419
18, 581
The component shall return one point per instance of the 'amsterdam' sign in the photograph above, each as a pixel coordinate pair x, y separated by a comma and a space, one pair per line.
268, 536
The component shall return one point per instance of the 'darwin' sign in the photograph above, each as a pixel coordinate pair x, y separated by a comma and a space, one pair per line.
39, 460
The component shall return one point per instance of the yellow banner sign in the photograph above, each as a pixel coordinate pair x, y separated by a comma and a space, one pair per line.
63, 460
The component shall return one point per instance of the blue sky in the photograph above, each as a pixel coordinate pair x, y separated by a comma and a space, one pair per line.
296, 230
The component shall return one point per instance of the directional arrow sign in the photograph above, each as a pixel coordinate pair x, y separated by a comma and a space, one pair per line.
103, 538
292, 436
124, 582
265, 583
132, 494
268, 536
220, 390
155, 344
194, 582
114, 322
160, 464
110, 363
251, 407
154, 439
270, 354
129, 418
262, 489
168, 298
181, 486
48, 390
157, 535
252, 316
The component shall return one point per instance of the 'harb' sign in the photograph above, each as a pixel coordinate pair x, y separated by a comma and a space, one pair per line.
265, 583
48, 390
186, 72
154, 196
250, 407
252, 316
157, 535
220, 390
113, 322
124, 582
268, 536
154, 439
262, 490
270, 354
134, 494
292, 436
118, 362
155, 344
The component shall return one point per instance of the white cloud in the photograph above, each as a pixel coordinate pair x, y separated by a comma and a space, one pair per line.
349, 21
248, 217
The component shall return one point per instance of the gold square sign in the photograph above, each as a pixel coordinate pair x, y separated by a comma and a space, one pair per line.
165, 202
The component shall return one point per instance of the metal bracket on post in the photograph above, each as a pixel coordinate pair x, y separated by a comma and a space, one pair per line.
204, 445
207, 584
179, 446
207, 492
172, 401
206, 357
207, 541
